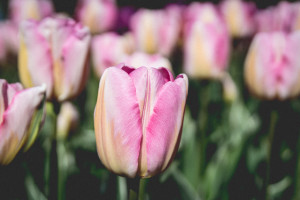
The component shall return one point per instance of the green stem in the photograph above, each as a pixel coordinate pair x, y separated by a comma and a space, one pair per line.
61, 173
133, 186
297, 177
273, 120
122, 192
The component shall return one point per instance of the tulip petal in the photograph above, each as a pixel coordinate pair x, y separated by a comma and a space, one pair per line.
164, 127
34, 43
14, 127
118, 123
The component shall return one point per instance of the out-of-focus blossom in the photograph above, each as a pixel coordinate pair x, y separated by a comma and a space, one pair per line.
17, 109
29, 9
67, 120
278, 18
156, 31
206, 42
98, 15
124, 15
139, 59
54, 51
272, 67
109, 49
239, 17
138, 119
8, 39
230, 91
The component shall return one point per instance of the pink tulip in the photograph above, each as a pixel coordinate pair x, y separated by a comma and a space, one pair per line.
17, 108
239, 17
156, 31
54, 51
138, 119
109, 49
98, 15
272, 68
29, 9
8, 38
206, 42
148, 60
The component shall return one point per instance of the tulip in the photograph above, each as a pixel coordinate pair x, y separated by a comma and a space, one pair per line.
206, 42
149, 60
54, 51
156, 31
67, 120
119, 47
272, 67
17, 109
230, 91
29, 9
138, 119
239, 17
8, 39
98, 15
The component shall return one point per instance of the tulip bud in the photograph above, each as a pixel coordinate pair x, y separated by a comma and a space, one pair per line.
67, 120
156, 31
98, 15
272, 67
119, 47
29, 9
17, 109
138, 119
230, 92
149, 60
54, 51
239, 17
206, 42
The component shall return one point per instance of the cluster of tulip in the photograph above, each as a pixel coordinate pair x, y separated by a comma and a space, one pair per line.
140, 106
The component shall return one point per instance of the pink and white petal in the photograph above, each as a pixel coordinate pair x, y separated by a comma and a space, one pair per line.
74, 58
14, 127
39, 61
164, 127
117, 122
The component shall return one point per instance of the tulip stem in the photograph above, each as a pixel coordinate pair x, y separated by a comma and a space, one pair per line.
273, 120
297, 175
133, 186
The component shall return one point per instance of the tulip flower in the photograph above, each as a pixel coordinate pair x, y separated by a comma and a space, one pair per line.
138, 59
98, 15
138, 119
29, 9
67, 120
17, 109
119, 47
239, 17
54, 51
272, 67
8, 39
206, 42
156, 31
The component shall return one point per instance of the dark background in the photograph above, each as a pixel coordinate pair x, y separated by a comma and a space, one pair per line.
69, 5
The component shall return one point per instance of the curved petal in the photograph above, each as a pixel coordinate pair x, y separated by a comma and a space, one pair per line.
14, 127
117, 122
164, 127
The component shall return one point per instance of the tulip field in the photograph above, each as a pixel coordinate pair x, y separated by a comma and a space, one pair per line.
127, 100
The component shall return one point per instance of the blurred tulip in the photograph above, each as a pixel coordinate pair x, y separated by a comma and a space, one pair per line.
272, 67
156, 31
230, 91
8, 39
54, 51
138, 119
67, 120
109, 49
17, 109
98, 15
206, 42
239, 17
139, 59
277, 18
29, 9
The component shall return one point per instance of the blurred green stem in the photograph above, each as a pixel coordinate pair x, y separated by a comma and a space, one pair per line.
297, 177
133, 187
273, 120
61, 172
